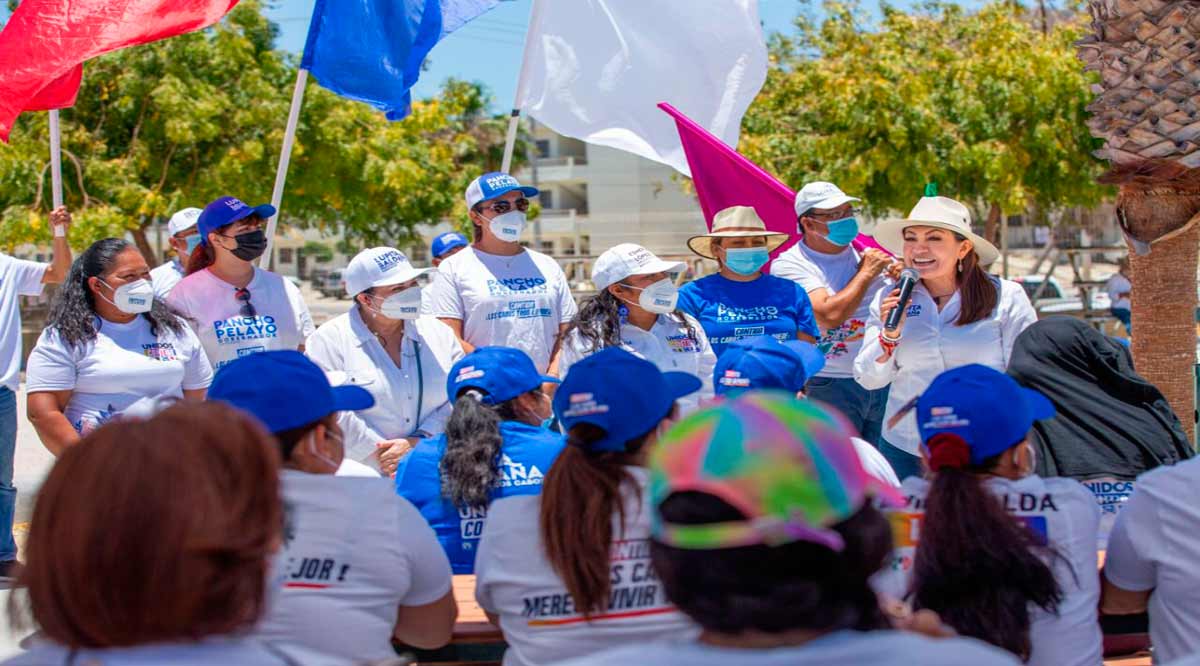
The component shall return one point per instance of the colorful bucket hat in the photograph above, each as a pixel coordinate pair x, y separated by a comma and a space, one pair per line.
788, 465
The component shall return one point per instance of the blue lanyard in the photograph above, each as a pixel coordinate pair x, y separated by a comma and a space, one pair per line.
420, 386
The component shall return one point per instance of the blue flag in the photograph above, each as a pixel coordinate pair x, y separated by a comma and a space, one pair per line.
371, 50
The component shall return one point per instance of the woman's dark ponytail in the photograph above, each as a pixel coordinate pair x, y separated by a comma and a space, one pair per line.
976, 564
598, 321
469, 467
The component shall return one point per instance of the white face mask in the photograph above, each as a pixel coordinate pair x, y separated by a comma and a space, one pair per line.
508, 227
659, 298
402, 305
132, 297
332, 464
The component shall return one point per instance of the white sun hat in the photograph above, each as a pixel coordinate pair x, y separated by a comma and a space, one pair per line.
735, 222
941, 213
380, 267
627, 259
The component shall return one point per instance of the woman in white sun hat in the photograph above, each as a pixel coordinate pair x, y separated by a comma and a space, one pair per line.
740, 301
958, 314
384, 346
635, 308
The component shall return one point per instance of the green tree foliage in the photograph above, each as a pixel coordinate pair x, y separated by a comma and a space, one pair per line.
983, 103
179, 122
320, 252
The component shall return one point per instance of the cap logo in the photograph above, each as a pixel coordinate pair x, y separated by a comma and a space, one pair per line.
468, 372
388, 260
446, 238
583, 404
641, 256
941, 418
235, 204
497, 182
734, 379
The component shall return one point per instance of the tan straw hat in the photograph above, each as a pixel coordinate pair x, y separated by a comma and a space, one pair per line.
735, 222
939, 212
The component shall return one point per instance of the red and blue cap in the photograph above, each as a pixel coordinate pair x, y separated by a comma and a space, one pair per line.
622, 394
225, 211
500, 373
981, 407
446, 242
284, 390
763, 362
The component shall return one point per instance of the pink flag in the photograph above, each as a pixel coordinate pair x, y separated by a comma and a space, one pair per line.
60, 93
724, 178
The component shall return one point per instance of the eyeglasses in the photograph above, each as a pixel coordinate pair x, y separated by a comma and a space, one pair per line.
243, 295
502, 207
833, 215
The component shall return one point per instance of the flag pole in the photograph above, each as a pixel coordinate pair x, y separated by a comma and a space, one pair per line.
285, 158
510, 141
56, 184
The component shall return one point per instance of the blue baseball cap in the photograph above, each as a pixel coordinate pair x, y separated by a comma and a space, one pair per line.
446, 242
501, 373
985, 408
762, 362
225, 211
284, 390
492, 185
621, 393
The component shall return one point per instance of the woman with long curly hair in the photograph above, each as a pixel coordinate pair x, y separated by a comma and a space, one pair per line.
109, 343
495, 445
635, 308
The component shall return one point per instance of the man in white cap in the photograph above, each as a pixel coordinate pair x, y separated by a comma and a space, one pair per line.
496, 292
840, 282
184, 238
385, 346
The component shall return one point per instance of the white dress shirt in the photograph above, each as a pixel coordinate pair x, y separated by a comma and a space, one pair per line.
346, 349
668, 344
931, 344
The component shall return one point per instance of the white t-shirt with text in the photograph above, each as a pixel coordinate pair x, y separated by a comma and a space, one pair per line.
282, 320
165, 277
516, 301
17, 278
1154, 547
537, 615
832, 272
354, 552
123, 364
842, 648
1063, 514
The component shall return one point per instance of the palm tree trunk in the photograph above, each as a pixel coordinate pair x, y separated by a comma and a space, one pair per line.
1164, 292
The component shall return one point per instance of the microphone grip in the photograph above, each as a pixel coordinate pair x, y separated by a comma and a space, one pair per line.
908, 281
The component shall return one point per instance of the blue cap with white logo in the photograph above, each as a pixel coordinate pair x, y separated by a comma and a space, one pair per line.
446, 242
501, 373
225, 211
495, 184
762, 362
284, 390
620, 393
984, 408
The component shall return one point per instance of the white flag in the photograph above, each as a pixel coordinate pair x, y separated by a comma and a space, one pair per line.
598, 68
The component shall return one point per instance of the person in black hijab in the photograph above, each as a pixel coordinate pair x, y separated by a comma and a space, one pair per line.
1111, 422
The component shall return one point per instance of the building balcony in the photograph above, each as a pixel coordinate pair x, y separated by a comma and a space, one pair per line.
561, 169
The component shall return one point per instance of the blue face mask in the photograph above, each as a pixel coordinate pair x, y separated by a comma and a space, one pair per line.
746, 260
193, 242
549, 424
843, 231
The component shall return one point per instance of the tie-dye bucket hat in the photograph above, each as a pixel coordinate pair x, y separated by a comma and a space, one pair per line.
788, 465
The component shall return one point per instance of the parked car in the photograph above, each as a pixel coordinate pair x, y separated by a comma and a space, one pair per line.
330, 284
1053, 300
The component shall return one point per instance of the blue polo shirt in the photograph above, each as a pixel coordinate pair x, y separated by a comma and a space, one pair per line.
730, 311
526, 454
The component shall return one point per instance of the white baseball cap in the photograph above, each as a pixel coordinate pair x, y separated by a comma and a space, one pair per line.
379, 267
183, 220
492, 185
626, 259
820, 195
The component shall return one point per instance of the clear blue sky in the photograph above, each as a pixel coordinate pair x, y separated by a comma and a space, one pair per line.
488, 49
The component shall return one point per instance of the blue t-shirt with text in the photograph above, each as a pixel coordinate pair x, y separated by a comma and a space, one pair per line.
526, 454
730, 311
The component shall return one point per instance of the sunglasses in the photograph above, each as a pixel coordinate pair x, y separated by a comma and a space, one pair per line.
243, 295
502, 207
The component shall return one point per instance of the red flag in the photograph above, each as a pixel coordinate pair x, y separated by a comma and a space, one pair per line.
45, 39
60, 94
724, 178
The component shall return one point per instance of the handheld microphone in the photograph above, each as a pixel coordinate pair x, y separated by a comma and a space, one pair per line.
908, 280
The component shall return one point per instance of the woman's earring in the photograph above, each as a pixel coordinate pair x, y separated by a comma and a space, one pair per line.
960, 265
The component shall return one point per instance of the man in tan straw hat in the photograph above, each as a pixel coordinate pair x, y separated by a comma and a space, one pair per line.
740, 301
840, 282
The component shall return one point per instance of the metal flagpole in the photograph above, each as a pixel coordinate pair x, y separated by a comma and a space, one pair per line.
535, 17
285, 157
56, 185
